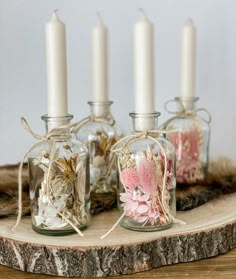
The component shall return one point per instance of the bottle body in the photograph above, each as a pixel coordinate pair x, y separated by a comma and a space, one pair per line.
59, 186
190, 137
147, 183
99, 136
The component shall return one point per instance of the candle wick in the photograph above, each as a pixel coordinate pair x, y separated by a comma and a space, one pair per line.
189, 21
98, 13
56, 11
142, 12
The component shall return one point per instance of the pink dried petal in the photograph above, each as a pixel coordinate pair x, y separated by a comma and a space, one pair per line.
124, 197
177, 139
153, 214
147, 176
130, 178
142, 209
163, 220
193, 141
144, 198
132, 205
140, 219
187, 170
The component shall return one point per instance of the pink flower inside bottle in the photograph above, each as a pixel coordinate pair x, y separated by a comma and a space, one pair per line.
191, 141
147, 182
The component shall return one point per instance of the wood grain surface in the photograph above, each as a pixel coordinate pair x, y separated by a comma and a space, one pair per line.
210, 230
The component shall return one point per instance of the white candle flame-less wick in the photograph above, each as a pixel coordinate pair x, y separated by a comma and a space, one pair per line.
99, 16
142, 12
189, 21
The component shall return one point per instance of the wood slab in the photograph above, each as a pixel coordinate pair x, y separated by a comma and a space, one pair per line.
210, 230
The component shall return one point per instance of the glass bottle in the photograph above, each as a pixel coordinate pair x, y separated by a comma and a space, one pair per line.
99, 134
191, 141
146, 178
59, 182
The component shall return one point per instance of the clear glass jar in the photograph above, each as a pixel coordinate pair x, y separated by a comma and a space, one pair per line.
99, 134
59, 182
146, 177
191, 141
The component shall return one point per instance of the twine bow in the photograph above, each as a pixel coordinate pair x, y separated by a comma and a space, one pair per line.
74, 128
106, 119
184, 112
122, 143
49, 137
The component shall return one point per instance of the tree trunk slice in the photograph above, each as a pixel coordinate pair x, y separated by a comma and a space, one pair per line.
210, 230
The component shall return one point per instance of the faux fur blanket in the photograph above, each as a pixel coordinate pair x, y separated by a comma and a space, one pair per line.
221, 180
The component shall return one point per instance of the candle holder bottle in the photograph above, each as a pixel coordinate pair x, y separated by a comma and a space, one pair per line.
146, 163
191, 141
100, 134
59, 182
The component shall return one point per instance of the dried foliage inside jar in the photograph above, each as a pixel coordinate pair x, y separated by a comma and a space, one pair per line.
148, 186
57, 190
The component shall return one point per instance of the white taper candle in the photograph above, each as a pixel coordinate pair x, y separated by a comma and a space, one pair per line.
188, 60
144, 71
56, 67
99, 62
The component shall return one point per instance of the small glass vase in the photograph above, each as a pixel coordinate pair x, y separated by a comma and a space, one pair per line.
59, 182
191, 141
147, 182
99, 134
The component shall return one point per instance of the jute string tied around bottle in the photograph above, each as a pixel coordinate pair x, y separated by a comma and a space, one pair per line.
183, 112
73, 128
120, 145
49, 137
105, 119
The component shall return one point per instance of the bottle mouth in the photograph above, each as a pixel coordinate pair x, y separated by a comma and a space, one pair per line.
104, 103
187, 103
144, 121
55, 122
187, 99
144, 115
100, 109
56, 119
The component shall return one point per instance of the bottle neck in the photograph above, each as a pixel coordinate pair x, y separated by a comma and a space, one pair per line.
144, 121
54, 122
100, 109
189, 104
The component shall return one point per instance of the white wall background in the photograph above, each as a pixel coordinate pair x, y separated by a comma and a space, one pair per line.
23, 71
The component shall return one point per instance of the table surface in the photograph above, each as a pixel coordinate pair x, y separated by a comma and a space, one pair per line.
223, 266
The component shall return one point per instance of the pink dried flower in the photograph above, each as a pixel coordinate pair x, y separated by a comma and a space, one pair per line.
189, 171
130, 178
193, 143
189, 138
139, 207
177, 139
147, 176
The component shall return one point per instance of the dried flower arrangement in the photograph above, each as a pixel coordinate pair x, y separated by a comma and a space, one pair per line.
188, 143
103, 175
148, 188
57, 191
221, 180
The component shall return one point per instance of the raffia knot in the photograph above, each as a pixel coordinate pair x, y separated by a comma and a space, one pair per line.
182, 111
119, 147
73, 128
41, 138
